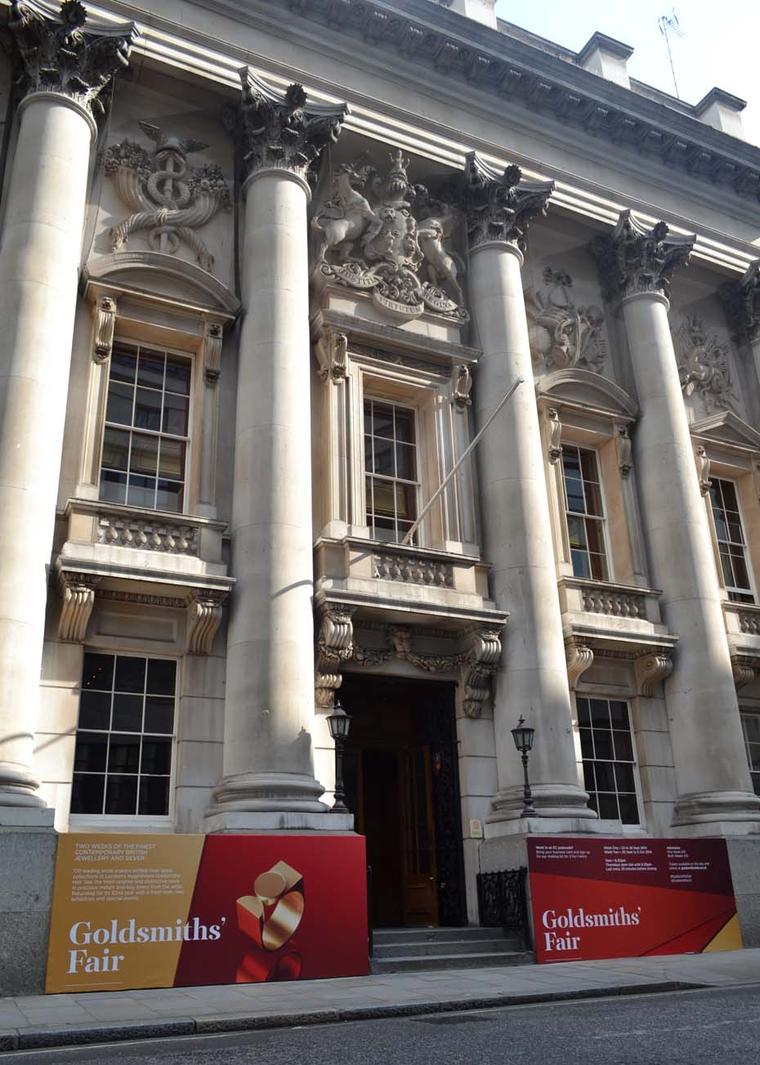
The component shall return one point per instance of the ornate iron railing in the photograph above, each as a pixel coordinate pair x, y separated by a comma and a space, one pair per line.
503, 902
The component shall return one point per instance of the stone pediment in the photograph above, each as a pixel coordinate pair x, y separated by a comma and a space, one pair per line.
727, 428
164, 276
583, 388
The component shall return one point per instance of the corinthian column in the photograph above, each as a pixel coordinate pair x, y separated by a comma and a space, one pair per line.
269, 706
532, 680
741, 300
711, 765
66, 66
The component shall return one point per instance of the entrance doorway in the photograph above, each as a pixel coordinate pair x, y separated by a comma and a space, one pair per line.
402, 783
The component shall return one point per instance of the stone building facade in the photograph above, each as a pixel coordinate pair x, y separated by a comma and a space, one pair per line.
266, 270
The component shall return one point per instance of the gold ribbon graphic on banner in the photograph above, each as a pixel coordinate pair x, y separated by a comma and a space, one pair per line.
273, 913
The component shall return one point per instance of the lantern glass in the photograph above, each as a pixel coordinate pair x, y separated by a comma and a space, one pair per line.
523, 736
339, 722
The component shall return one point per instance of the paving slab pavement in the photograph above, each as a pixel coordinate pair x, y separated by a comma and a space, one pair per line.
104, 1017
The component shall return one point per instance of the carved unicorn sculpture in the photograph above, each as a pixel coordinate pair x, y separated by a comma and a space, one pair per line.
347, 213
167, 198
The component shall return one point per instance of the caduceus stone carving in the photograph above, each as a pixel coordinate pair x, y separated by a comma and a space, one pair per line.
168, 198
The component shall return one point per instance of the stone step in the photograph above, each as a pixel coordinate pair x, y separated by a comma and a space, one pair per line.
443, 947
432, 935
479, 960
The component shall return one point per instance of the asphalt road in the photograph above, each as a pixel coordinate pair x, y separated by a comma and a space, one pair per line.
703, 1027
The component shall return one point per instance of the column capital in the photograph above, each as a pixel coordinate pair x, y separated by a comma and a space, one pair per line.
635, 259
741, 301
499, 205
278, 131
65, 53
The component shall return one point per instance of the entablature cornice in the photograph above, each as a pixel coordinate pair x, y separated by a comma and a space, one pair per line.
201, 56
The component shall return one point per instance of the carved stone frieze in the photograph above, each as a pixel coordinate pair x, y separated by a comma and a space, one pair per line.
116, 595
280, 131
749, 622
499, 205
148, 535
69, 54
335, 645
579, 657
563, 333
204, 616
741, 300
480, 664
381, 234
77, 591
167, 197
413, 569
652, 669
635, 258
703, 469
104, 313
703, 365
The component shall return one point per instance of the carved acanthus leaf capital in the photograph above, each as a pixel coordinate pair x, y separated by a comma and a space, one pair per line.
638, 259
67, 53
500, 205
741, 300
279, 130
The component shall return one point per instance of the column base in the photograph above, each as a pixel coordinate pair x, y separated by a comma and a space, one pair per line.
740, 809
551, 801
19, 789
255, 802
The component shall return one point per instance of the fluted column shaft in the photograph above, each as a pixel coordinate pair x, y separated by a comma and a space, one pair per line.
710, 760
532, 680
39, 265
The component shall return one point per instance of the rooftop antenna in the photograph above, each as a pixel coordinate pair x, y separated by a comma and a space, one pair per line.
669, 24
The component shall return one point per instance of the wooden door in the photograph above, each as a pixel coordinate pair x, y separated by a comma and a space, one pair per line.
420, 882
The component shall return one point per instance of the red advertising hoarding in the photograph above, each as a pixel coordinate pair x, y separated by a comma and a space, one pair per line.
614, 898
175, 911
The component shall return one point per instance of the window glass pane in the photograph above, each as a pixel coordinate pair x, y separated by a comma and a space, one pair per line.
753, 750
150, 369
624, 777
119, 408
581, 566
608, 807
94, 710
124, 753
115, 449
623, 746
587, 747
90, 752
87, 794
603, 744
618, 714
175, 415
98, 671
574, 491
121, 795
144, 454
159, 714
404, 425
178, 376
576, 528
127, 712
752, 727
406, 503
406, 462
583, 711
368, 454
382, 420
148, 409
156, 755
154, 796
384, 457
384, 497
588, 467
605, 776
593, 499
172, 460
123, 364
130, 674
142, 491
588, 776
728, 490
571, 462
629, 810
113, 486
161, 678
600, 713
598, 567
169, 495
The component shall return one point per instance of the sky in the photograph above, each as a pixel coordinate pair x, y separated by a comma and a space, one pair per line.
719, 45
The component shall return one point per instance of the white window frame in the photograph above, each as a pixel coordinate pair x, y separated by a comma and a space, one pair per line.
188, 484
601, 519
754, 712
371, 397
130, 822
752, 589
625, 826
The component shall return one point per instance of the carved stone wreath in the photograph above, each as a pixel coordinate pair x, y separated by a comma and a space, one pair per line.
703, 365
562, 333
391, 242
